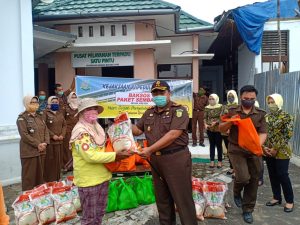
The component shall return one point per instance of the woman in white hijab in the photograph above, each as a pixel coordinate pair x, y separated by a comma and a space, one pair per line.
212, 114
34, 140
70, 111
278, 152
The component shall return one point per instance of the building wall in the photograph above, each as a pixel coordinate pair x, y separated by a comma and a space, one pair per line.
17, 79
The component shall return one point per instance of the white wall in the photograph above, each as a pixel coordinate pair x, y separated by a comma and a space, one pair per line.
246, 66
293, 25
16, 79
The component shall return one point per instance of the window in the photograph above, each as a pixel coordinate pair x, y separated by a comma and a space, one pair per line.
91, 31
124, 30
270, 50
113, 30
80, 32
174, 71
102, 30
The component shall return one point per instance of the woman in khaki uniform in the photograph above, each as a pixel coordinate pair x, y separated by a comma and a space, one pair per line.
212, 115
70, 111
57, 129
34, 139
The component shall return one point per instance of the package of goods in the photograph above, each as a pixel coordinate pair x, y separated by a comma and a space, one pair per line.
44, 206
142, 189
214, 193
76, 199
25, 213
63, 204
127, 198
69, 180
120, 134
113, 194
199, 199
35, 189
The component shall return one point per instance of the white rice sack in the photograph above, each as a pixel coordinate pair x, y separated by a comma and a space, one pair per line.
24, 210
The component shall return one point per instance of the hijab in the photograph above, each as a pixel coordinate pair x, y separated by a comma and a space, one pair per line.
277, 99
235, 101
72, 104
27, 99
217, 105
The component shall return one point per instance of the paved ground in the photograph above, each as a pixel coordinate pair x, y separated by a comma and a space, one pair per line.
148, 215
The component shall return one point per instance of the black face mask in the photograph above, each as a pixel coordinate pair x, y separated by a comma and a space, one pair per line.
248, 103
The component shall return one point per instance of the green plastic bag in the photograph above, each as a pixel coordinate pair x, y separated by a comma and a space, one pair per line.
113, 194
148, 182
127, 198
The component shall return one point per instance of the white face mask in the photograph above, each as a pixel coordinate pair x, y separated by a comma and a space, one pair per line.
212, 102
74, 103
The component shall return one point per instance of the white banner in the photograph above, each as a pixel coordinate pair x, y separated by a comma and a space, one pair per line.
134, 98
102, 59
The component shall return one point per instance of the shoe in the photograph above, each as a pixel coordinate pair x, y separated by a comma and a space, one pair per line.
288, 210
202, 145
238, 201
248, 218
273, 203
219, 166
229, 172
194, 145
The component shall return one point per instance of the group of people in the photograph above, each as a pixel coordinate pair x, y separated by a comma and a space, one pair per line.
274, 128
165, 126
45, 128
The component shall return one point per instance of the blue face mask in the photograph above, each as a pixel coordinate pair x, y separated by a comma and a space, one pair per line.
160, 100
54, 107
42, 97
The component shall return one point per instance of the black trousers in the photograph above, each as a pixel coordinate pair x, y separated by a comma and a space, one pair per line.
279, 178
215, 139
226, 142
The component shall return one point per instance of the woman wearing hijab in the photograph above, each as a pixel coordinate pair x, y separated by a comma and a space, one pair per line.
212, 115
34, 140
232, 100
70, 111
278, 152
56, 124
88, 150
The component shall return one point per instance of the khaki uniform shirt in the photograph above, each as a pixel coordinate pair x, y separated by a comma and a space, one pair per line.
200, 102
56, 124
33, 131
257, 116
156, 124
71, 120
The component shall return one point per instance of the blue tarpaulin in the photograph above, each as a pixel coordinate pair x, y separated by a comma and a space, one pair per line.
250, 19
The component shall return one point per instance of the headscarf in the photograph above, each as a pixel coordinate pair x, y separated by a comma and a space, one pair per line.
27, 99
69, 100
50, 102
277, 99
256, 104
217, 105
236, 100
83, 127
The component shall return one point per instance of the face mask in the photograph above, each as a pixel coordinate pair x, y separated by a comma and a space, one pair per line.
230, 99
248, 103
201, 92
74, 101
212, 102
160, 101
273, 107
42, 97
60, 93
33, 107
54, 106
90, 116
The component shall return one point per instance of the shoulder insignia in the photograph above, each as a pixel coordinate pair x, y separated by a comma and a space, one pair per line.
20, 118
175, 104
179, 113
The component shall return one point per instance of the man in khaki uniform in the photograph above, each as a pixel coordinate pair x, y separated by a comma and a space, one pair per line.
165, 127
34, 140
63, 95
200, 101
247, 166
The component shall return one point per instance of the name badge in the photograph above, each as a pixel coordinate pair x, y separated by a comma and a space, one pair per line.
31, 130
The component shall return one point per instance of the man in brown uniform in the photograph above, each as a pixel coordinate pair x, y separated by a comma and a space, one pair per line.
57, 126
63, 95
34, 139
246, 165
200, 101
165, 127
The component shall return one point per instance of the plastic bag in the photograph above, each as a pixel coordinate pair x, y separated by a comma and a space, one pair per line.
24, 210
199, 201
113, 194
142, 190
120, 134
63, 204
248, 138
127, 198
124, 165
44, 206
76, 198
214, 193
